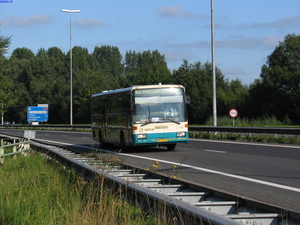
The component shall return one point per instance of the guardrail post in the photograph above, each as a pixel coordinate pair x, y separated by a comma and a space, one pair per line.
1, 154
24, 147
18, 148
14, 149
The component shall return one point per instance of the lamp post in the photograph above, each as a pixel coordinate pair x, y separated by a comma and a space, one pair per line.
2, 115
213, 64
71, 72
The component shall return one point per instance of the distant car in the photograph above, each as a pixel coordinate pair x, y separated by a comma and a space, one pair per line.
33, 122
6, 123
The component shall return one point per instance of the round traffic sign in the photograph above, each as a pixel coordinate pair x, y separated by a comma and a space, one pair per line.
233, 113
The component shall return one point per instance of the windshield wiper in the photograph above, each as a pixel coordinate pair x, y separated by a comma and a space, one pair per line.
144, 124
161, 119
171, 120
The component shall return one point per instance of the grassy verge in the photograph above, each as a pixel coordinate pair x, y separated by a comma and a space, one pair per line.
226, 121
35, 190
267, 121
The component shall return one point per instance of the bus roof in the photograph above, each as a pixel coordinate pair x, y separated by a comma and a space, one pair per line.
128, 89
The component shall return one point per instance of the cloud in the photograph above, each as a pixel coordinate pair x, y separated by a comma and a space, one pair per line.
233, 71
233, 42
174, 56
250, 43
174, 11
16, 21
280, 24
89, 23
242, 42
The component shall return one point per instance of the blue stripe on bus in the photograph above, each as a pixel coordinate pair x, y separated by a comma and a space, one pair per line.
160, 138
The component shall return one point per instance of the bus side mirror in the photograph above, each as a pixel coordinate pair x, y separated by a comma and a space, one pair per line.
187, 98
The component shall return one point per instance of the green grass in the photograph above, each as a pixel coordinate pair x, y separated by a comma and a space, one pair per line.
34, 190
241, 122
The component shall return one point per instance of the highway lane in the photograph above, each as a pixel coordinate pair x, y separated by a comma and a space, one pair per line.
269, 173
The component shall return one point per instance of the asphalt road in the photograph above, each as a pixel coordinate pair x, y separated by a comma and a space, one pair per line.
264, 172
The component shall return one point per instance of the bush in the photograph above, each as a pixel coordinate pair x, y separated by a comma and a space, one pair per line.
266, 121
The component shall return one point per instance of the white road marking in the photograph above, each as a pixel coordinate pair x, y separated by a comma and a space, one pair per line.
221, 173
215, 151
248, 143
197, 168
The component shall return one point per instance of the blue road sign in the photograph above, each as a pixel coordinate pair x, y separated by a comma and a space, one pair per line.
39, 114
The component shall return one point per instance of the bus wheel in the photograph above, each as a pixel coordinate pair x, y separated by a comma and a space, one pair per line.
171, 147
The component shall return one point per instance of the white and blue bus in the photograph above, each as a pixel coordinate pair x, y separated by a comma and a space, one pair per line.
147, 115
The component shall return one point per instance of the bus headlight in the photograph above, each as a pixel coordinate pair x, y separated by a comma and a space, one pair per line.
142, 136
181, 134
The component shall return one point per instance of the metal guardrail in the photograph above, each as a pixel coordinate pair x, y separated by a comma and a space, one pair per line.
247, 130
46, 126
24, 146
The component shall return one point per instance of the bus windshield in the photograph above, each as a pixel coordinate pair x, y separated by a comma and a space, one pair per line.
158, 105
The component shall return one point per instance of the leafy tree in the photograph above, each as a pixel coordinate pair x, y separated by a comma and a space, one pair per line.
22, 53
20, 66
80, 60
146, 68
233, 94
108, 60
197, 79
20, 58
278, 91
42, 78
6, 85
59, 106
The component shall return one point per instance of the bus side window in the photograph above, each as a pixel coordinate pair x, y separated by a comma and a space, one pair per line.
122, 103
96, 105
109, 102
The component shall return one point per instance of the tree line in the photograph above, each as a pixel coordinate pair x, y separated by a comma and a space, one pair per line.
28, 79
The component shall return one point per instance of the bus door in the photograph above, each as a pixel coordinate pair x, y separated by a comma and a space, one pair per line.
129, 107
104, 119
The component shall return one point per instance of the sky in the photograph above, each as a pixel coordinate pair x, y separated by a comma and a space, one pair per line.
246, 32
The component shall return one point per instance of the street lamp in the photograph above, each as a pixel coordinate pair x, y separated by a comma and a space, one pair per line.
213, 64
2, 115
71, 73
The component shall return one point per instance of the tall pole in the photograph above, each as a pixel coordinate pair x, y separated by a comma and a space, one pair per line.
71, 67
213, 64
2, 115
